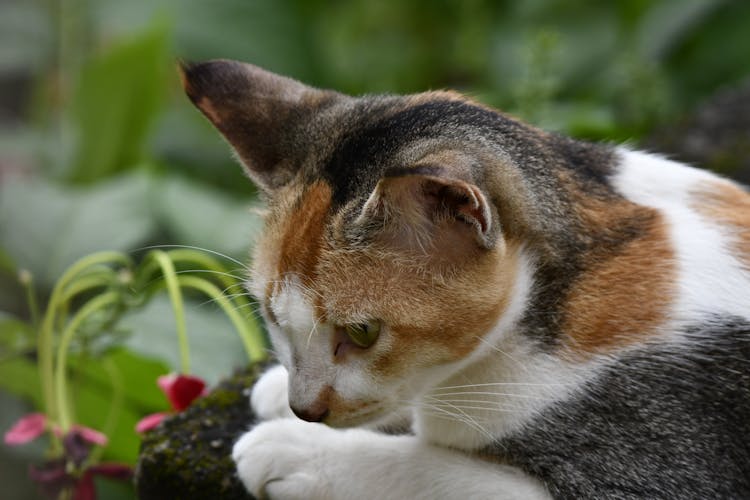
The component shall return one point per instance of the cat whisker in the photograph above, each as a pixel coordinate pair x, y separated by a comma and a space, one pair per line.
488, 393
312, 331
497, 349
470, 420
212, 271
456, 417
306, 290
498, 384
191, 247
487, 409
483, 406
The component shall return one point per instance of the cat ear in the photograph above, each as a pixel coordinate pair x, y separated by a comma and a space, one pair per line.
422, 208
255, 110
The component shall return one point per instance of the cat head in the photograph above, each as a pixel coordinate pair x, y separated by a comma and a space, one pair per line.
390, 255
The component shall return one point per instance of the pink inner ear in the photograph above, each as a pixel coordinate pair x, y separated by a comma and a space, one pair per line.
465, 200
476, 213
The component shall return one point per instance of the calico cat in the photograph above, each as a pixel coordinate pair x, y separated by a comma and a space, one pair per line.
544, 317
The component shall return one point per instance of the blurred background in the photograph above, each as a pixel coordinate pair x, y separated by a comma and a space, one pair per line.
99, 149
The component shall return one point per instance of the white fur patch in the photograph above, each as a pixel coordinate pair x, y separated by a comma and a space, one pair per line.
711, 280
292, 459
270, 396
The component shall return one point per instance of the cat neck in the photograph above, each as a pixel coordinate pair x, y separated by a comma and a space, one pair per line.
495, 395
500, 386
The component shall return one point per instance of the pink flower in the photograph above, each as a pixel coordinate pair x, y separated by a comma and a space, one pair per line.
34, 425
181, 391
69, 471
90, 435
26, 429
150, 421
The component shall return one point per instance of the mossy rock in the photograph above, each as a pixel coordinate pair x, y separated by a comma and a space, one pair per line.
188, 456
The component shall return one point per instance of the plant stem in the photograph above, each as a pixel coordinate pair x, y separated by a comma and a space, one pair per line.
115, 407
88, 282
97, 303
175, 296
27, 281
45, 339
251, 337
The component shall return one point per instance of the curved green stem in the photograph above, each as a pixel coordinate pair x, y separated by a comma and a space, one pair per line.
88, 282
46, 332
250, 336
205, 261
175, 296
97, 303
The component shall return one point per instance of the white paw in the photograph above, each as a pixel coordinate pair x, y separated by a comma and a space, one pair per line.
284, 459
270, 396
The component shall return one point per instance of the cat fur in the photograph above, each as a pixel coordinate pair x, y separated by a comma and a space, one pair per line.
560, 319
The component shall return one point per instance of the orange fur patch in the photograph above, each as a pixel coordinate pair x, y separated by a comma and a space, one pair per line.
625, 297
728, 205
437, 317
301, 244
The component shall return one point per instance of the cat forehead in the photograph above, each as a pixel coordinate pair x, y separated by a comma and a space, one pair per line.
371, 135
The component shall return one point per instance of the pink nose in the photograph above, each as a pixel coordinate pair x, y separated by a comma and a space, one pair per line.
315, 413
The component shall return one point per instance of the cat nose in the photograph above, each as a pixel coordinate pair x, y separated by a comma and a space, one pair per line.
314, 413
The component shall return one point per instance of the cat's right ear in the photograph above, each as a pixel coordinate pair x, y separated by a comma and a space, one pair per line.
257, 112
426, 207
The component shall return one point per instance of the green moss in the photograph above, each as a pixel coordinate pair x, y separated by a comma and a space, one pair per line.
188, 455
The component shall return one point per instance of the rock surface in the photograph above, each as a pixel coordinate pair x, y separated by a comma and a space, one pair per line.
188, 455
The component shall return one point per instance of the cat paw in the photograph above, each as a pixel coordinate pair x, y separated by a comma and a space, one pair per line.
282, 459
270, 396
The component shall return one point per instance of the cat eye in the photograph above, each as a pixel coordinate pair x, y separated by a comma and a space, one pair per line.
363, 334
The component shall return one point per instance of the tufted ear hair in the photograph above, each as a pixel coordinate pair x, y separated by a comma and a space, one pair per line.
426, 207
257, 112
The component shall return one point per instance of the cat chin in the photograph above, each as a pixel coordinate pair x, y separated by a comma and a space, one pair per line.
373, 419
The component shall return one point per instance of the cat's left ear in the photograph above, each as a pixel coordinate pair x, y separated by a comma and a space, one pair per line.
258, 112
421, 208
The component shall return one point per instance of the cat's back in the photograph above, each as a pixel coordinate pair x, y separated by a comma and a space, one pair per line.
667, 414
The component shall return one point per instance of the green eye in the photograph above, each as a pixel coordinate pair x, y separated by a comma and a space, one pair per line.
363, 334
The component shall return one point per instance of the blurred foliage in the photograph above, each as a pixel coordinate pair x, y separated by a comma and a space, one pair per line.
100, 150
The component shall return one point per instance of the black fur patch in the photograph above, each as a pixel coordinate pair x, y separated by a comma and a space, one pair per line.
365, 153
661, 422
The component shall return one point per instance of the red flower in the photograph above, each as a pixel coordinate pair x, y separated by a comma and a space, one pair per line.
85, 487
54, 478
181, 391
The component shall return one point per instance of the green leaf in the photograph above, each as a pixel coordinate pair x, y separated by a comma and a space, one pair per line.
114, 399
116, 100
200, 216
20, 376
215, 348
45, 227
16, 336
